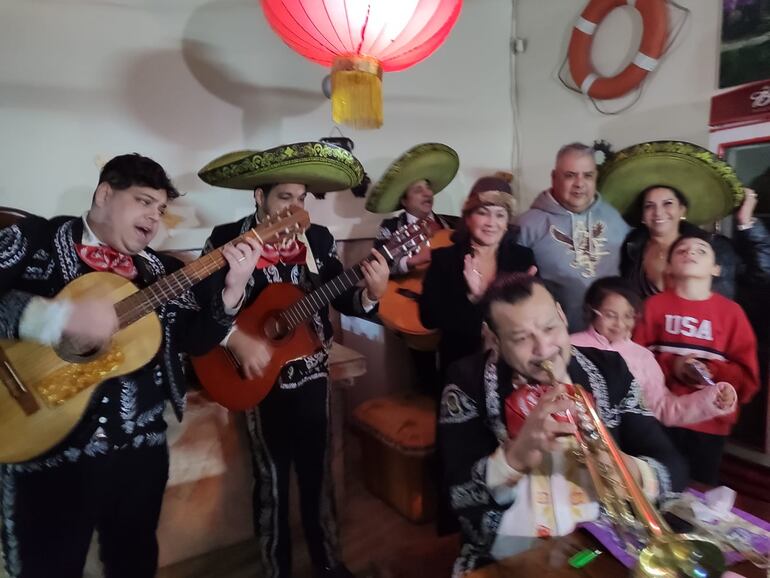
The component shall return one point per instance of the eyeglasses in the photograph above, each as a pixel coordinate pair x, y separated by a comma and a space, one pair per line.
612, 316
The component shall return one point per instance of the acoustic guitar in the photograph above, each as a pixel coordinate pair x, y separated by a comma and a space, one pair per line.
45, 390
399, 310
280, 316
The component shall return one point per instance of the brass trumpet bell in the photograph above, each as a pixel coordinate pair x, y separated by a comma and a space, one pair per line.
679, 555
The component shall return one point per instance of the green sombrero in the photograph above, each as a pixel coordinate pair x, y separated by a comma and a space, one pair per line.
434, 162
321, 167
709, 183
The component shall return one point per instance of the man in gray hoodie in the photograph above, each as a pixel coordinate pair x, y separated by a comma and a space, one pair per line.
576, 236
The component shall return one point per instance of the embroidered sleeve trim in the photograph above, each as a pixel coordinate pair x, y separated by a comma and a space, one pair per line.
599, 390
633, 402
663, 475
492, 396
456, 406
13, 246
12, 306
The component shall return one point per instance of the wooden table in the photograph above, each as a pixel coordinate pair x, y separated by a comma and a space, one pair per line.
549, 558
345, 364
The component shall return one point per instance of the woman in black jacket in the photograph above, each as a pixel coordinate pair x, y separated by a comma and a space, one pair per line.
663, 210
484, 246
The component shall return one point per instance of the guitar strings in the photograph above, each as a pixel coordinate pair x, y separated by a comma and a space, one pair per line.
139, 304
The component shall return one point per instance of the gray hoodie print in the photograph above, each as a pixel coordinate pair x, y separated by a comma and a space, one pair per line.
572, 250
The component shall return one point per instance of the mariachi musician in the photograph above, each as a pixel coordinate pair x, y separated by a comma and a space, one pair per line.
110, 473
514, 476
411, 183
291, 424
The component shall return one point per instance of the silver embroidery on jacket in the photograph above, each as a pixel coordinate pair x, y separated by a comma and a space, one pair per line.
456, 406
13, 246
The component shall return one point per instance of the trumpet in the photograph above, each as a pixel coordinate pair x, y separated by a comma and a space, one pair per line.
665, 554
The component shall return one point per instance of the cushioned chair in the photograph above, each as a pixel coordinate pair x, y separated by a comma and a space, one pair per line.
398, 437
9, 216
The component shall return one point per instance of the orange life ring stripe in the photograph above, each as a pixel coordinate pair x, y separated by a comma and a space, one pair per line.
655, 32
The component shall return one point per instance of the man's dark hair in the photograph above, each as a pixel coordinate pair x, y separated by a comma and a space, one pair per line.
510, 288
130, 170
360, 189
266, 188
601, 288
694, 233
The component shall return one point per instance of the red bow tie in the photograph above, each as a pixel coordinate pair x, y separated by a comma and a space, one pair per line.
103, 258
291, 253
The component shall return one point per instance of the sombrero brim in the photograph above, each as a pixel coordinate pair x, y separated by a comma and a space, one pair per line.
709, 183
434, 162
321, 167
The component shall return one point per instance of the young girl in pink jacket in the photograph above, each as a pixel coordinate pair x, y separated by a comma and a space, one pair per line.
612, 308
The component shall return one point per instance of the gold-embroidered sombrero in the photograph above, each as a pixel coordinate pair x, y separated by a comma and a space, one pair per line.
434, 162
322, 167
709, 183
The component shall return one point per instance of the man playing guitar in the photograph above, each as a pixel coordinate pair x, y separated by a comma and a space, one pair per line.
290, 425
110, 473
411, 183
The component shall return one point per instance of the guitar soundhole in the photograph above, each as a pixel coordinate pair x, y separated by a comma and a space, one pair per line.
77, 352
276, 328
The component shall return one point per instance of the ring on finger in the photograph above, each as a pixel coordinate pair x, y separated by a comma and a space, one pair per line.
242, 258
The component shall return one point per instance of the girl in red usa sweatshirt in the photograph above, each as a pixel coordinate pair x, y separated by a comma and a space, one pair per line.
688, 322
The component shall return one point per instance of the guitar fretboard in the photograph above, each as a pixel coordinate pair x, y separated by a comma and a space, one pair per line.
399, 244
139, 304
306, 307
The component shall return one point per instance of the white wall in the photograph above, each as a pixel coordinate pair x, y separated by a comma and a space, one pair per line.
673, 105
186, 80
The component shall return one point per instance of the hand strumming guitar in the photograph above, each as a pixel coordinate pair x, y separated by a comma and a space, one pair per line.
252, 354
90, 325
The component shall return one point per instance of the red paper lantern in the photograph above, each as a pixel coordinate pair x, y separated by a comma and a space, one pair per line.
360, 39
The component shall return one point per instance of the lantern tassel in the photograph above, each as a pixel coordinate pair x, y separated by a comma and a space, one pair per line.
357, 91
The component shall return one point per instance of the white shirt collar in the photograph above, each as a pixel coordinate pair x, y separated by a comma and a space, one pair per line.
410, 218
91, 240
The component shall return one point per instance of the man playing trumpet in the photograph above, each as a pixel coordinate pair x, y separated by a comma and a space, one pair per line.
508, 454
